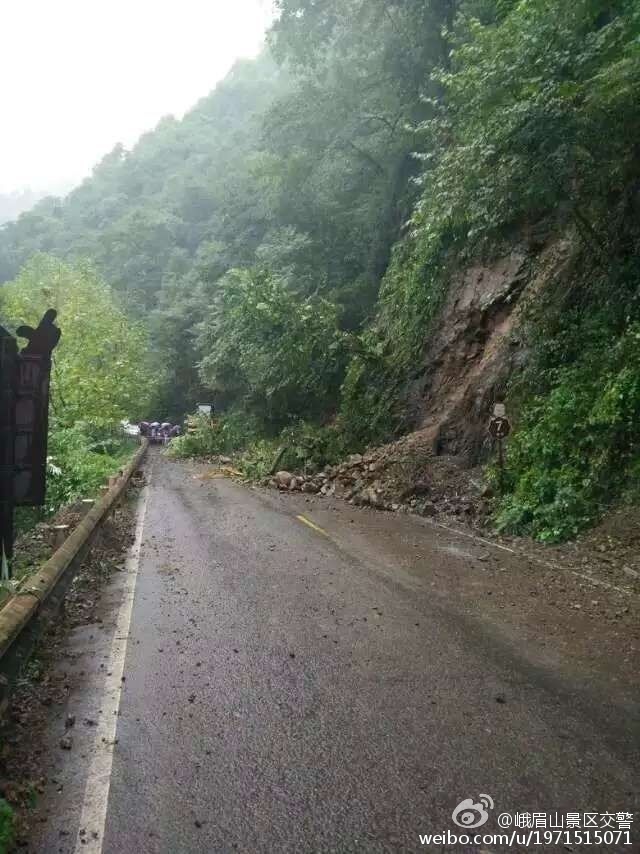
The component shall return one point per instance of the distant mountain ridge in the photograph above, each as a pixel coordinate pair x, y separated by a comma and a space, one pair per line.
17, 202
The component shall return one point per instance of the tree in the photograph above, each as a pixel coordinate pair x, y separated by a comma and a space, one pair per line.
102, 371
279, 356
539, 111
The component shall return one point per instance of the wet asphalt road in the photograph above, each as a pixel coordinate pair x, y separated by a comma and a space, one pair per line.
289, 691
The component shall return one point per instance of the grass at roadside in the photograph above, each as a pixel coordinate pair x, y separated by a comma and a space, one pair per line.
80, 462
7, 827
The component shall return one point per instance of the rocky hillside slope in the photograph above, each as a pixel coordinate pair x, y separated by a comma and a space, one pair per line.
476, 348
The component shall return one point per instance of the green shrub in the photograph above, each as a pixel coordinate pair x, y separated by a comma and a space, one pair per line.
257, 460
367, 408
577, 446
306, 445
203, 441
225, 435
7, 827
81, 458
312, 447
306, 448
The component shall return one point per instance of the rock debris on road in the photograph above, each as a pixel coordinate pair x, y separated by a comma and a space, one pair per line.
296, 690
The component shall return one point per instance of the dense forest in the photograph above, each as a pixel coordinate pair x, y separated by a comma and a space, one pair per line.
287, 247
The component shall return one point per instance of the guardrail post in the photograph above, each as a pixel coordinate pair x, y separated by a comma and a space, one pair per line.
60, 534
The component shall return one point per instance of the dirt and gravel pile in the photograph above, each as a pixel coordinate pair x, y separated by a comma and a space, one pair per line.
404, 477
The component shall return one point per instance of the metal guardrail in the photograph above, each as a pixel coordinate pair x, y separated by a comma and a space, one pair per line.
40, 594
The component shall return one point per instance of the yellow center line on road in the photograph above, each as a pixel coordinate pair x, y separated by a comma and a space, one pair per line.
312, 525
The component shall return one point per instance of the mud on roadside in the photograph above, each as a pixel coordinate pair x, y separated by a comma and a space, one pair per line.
43, 686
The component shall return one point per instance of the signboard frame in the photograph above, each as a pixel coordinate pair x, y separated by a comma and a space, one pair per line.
24, 423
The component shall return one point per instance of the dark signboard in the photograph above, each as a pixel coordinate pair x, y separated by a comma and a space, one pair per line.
31, 426
24, 418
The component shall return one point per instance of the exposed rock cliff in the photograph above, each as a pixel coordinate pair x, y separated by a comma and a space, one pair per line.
475, 348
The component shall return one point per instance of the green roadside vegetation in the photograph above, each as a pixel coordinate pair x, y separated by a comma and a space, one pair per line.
7, 827
101, 375
287, 246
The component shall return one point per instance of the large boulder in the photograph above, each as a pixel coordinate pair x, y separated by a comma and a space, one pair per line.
283, 479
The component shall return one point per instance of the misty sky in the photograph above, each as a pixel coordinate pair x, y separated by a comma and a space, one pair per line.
78, 76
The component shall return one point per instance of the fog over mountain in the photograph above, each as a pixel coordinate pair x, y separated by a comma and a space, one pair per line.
85, 94
13, 203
